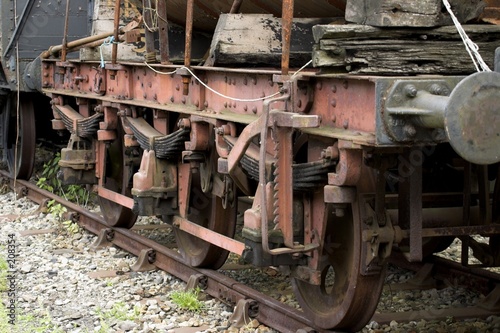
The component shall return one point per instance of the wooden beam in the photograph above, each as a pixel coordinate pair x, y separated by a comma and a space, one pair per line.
410, 13
371, 50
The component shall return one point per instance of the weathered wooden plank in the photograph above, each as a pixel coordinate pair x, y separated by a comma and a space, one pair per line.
369, 50
410, 13
477, 32
256, 40
491, 13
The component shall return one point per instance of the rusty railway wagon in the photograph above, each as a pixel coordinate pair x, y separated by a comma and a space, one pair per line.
389, 141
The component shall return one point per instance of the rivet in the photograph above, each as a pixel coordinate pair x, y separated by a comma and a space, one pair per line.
346, 124
411, 91
334, 103
254, 109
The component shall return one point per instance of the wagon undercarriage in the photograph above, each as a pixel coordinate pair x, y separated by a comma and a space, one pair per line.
341, 169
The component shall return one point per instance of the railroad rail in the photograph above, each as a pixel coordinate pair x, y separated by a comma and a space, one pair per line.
256, 305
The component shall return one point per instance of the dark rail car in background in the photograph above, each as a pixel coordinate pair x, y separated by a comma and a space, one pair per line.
389, 141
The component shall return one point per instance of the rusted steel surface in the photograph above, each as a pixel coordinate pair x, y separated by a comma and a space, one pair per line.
115, 197
65, 35
235, 8
410, 203
163, 32
189, 32
283, 191
286, 34
116, 30
338, 102
215, 238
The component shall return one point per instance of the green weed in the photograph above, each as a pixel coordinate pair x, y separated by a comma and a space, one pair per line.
50, 182
187, 300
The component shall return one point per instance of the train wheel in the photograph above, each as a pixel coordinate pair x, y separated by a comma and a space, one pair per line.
345, 299
206, 209
118, 178
19, 137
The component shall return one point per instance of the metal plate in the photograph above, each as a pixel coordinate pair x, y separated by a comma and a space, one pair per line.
472, 118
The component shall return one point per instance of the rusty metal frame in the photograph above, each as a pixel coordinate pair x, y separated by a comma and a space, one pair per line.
221, 241
349, 167
410, 205
116, 23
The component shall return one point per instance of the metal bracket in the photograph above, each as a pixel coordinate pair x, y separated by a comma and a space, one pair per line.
104, 239
197, 281
405, 120
21, 191
349, 166
145, 261
244, 312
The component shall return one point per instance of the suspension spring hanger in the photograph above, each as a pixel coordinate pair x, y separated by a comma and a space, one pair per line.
286, 35
186, 78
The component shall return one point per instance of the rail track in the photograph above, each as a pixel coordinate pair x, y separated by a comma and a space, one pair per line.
256, 305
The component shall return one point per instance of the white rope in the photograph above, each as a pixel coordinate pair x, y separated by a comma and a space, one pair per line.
18, 102
301, 69
18, 115
228, 97
220, 94
154, 16
157, 71
470, 46
106, 42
